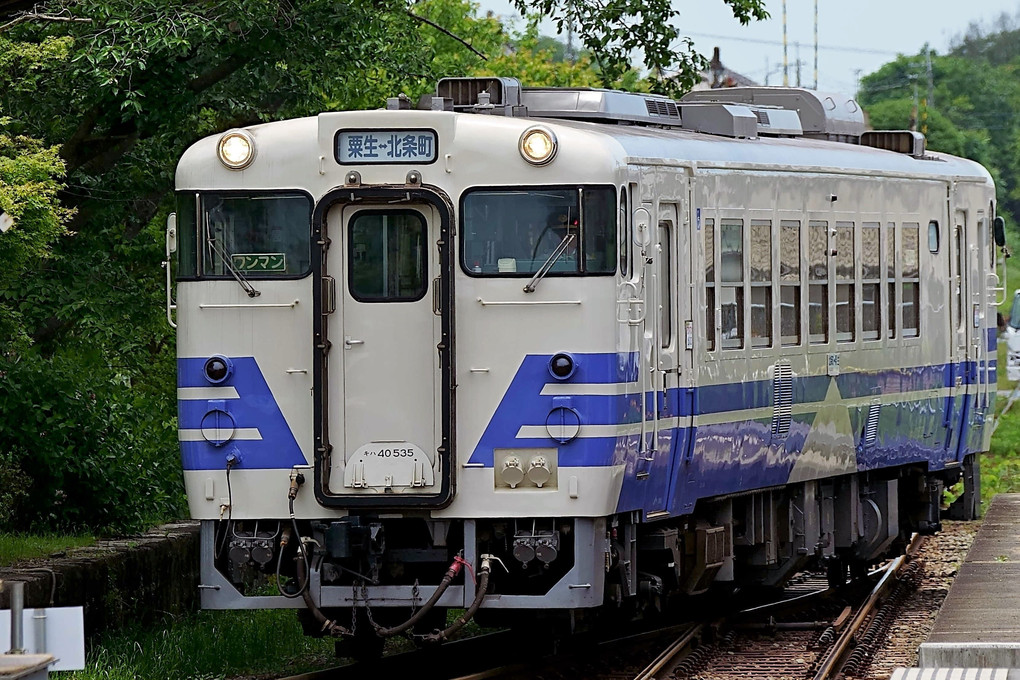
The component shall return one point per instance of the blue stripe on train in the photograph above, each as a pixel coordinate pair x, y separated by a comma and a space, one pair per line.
523, 403
254, 409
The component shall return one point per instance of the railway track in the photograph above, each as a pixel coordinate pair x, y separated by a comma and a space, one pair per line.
808, 648
811, 633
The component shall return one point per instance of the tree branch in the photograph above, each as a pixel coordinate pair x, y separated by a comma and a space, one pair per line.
71, 149
439, 28
218, 73
32, 16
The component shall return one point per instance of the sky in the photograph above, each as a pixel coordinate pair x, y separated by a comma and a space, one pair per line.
854, 38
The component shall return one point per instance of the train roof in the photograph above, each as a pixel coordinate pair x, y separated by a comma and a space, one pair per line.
673, 146
766, 129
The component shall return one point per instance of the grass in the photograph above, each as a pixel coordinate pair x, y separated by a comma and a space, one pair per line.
207, 645
19, 547
1000, 467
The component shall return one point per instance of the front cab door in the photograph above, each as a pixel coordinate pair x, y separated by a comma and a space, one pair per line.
384, 377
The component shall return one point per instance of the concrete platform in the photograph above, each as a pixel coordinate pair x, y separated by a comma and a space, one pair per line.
955, 674
978, 625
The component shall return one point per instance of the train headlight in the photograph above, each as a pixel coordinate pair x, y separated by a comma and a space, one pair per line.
562, 366
538, 145
236, 149
217, 368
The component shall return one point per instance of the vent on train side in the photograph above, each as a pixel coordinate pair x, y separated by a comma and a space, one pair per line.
776, 122
782, 400
662, 107
874, 413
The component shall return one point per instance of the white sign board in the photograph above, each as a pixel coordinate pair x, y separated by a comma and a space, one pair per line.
59, 631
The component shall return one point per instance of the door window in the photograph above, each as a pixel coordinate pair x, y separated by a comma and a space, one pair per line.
387, 256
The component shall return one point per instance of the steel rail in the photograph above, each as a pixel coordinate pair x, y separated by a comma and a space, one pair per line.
670, 653
833, 661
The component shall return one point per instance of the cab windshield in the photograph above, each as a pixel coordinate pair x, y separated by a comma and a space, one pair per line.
259, 235
513, 232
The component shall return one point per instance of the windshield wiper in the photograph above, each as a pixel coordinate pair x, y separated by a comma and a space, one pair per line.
225, 259
553, 256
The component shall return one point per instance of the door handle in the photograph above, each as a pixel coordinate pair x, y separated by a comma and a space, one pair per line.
351, 342
328, 295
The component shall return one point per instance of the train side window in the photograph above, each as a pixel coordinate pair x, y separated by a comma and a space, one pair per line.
789, 282
933, 236
871, 281
731, 282
598, 232
388, 254
845, 300
818, 282
710, 284
760, 259
911, 281
187, 234
624, 235
890, 275
665, 283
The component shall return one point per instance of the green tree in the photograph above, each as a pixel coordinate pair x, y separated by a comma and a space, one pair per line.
972, 115
30, 173
612, 31
99, 98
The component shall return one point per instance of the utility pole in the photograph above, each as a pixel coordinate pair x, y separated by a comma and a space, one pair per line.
570, 39
913, 111
796, 46
786, 63
931, 78
816, 46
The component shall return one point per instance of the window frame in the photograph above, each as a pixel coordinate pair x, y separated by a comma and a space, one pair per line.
738, 286
844, 283
874, 283
915, 281
789, 284
819, 284
763, 286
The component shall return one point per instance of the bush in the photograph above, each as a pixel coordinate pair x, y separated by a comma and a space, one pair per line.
91, 453
12, 488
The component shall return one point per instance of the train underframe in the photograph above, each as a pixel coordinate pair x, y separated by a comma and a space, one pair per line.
368, 573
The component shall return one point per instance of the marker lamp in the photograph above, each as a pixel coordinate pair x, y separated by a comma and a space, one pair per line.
236, 149
538, 145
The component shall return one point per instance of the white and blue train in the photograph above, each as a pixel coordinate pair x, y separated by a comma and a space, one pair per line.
513, 349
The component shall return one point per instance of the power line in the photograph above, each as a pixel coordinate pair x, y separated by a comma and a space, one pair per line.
859, 50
